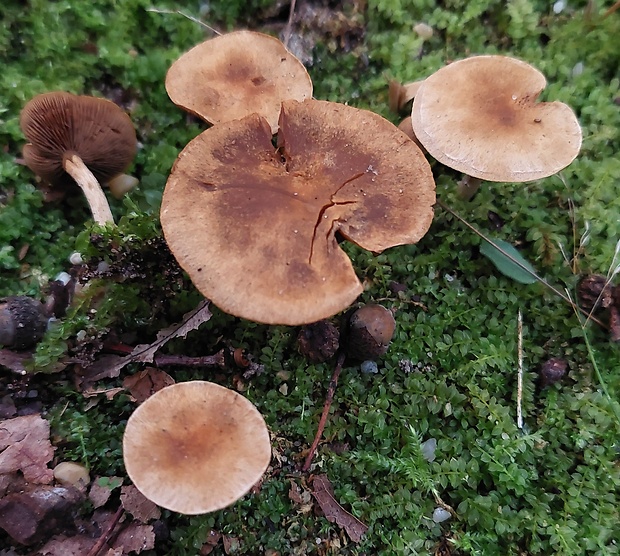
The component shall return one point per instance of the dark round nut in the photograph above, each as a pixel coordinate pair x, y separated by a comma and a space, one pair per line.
23, 322
319, 341
552, 371
594, 292
369, 332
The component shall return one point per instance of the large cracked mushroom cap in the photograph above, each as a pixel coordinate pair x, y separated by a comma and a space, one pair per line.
480, 116
237, 74
256, 227
78, 139
196, 447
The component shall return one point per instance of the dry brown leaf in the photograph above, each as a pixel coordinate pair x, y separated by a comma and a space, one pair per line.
25, 446
112, 365
135, 538
140, 507
212, 540
145, 383
61, 545
14, 361
231, 544
101, 490
334, 512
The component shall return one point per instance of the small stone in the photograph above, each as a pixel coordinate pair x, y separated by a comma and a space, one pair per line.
369, 367
440, 515
23, 322
69, 473
428, 449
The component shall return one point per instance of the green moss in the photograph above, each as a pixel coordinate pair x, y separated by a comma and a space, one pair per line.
450, 373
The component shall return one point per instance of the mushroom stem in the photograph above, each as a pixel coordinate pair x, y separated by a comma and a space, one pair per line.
99, 207
468, 187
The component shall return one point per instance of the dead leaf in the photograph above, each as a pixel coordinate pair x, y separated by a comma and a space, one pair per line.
144, 384
135, 538
109, 393
14, 361
231, 544
101, 490
140, 507
144, 353
61, 545
334, 512
25, 446
212, 540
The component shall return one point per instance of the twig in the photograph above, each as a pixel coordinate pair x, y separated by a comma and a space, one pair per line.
521, 265
520, 370
612, 9
106, 534
328, 402
163, 360
289, 24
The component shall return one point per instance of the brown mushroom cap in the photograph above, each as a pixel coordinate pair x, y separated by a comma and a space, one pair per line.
195, 447
58, 125
256, 227
237, 74
480, 116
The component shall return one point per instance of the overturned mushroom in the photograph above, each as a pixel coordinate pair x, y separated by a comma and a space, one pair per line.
237, 74
81, 139
480, 116
257, 227
195, 447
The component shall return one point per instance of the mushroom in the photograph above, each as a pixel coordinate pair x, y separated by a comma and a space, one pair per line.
195, 447
480, 116
78, 138
256, 227
237, 74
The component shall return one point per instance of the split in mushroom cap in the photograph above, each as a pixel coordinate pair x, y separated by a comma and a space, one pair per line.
67, 132
256, 227
195, 447
237, 74
480, 116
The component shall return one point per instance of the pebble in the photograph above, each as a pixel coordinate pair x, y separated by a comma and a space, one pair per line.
440, 515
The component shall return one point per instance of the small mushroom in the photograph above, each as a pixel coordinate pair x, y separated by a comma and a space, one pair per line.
195, 447
480, 116
256, 227
237, 74
79, 139
369, 331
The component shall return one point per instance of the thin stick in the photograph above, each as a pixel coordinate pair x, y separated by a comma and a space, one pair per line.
520, 265
163, 360
106, 534
328, 403
520, 370
289, 24
88, 183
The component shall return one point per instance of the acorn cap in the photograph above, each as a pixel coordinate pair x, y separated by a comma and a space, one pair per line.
195, 447
256, 227
237, 74
480, 116
60, 124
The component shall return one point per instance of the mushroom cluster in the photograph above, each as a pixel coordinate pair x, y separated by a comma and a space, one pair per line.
256, 220
481, 116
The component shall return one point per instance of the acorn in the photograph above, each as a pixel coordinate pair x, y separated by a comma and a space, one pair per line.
594, 292
23, 322
369, 331
319, 341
